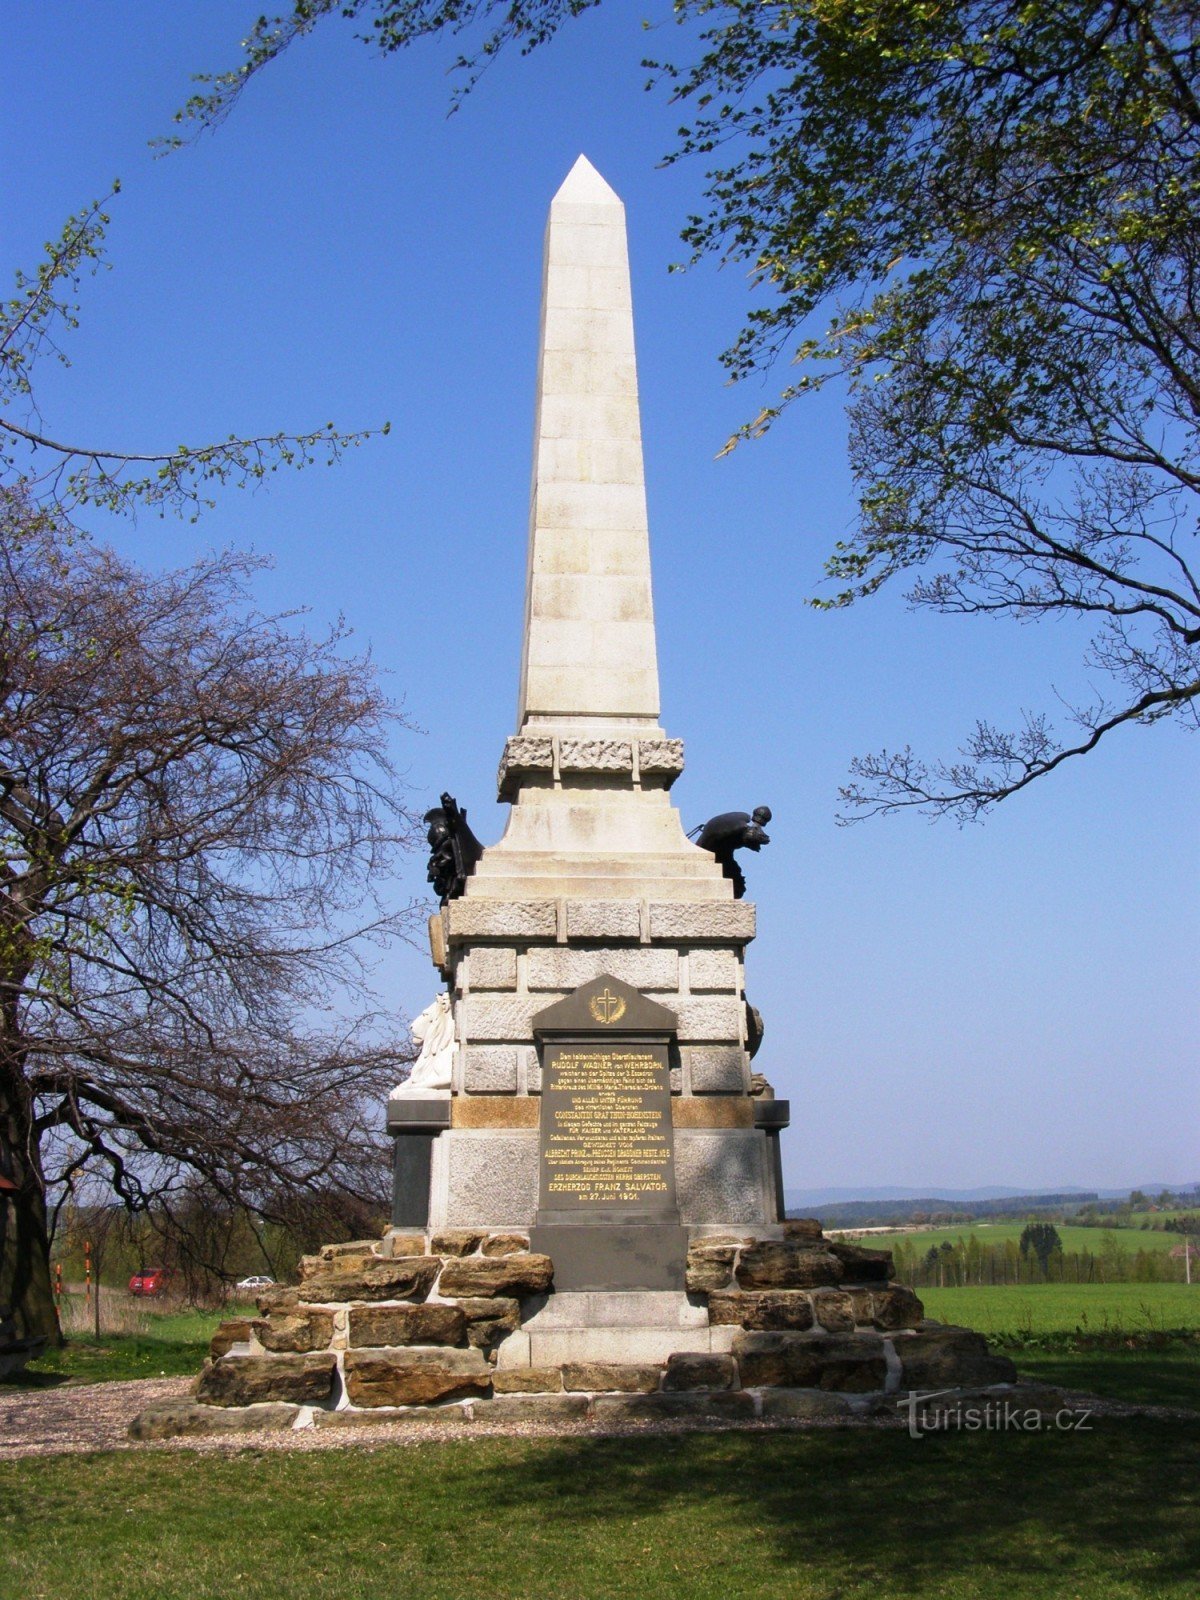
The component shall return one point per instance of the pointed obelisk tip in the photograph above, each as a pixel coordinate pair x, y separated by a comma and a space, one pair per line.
583, 186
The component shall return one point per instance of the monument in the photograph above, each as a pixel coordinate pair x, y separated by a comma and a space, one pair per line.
588, 1216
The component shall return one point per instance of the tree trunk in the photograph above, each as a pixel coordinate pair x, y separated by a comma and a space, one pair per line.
28, 1316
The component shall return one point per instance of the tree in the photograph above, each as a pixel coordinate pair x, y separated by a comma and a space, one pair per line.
198, 818
983, 217
1041, 1240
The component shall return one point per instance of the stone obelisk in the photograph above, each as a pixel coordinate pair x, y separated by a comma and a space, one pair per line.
594, 879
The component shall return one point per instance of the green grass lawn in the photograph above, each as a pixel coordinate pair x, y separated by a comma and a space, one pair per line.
1112, 1514
1063, 1307
1074, 1238
175, 1346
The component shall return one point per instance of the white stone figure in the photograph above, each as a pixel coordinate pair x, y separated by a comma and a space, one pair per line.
434, 1032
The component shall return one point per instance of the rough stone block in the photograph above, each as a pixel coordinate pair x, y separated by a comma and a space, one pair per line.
787, 1264
862, 1266
721, 1176
383, 1416
736, 1406
660, 755
396, 1325
595, 755
718, 1068
766, 1311
532, 1408
695, 1370
603, 919
456, 1241
487, 1276
527, 1380
942, 1358
492, 967
706, 1016
834, 1310
468, 919
235, 1330
487, 1330
850, 1362
888, 1308
498, 1016
401, 1278
713, 921
805, 1405
173, 1419
713, 969
408, 1377
709, 1267
803, 1228
560, 967
395, 1243
506, 1244
610, 1376
493, 1177
300, 1331
358, 1250
490, 1068
244, 1380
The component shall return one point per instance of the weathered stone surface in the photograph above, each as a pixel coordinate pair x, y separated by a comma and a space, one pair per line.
712, 1111
709, 1267
456, 1241
611, 1376
490, 1111
358, 1248
487, 1330
717, 1068
500, 919
862, 1266
493, 1175
890, 1308
560, 967
235, 1330
349, 1258
490, 1069
382, 1416
488, 1016
834, 1310
660, 755
851, 1362
413, 1377
696, 1370
941, 1358
279, 1298
244, 1380
731, 921
401, 1278
805, 1405
595, 755
299, 1331
492, 1308
411, 1324
527, 1380
706, 1016
492, 967
602, 919
785, 1309
713, 969
402, 1244
721, 1176
173, 1419
787, 1264
532, 1408
497, 1275
799, 1228
666, 1407
506, 1244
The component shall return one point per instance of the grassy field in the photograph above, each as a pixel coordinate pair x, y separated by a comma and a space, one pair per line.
166, 1344
1073, 1237
1062, 1307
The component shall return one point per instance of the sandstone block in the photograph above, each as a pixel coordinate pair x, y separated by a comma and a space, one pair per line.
401, 1278
402, 1244
560, 967
506, 1244
532, 1408
660, 755
496, 1275
713, 969
852, 1362
411, 1324
456, 1241
173, 1419
414, 1377
298, 1331
695, 1370
244, 1380
718, 1068
716, 921
527, 1380
603, 919
805, 1405
381, 1416
734, 1405
942, 1358
490, 1068
279, 1298
359, 1249
763, 1311
834, 1310
862, 1266
236, 1330
891, 1307
494, 1308
492, 967
624, 1378
787, 1264
799, 1228
709, 1267
468, 919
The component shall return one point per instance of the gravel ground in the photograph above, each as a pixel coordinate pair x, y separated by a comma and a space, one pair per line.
72, 1419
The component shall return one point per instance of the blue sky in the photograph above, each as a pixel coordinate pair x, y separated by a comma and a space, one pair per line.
1012, 1003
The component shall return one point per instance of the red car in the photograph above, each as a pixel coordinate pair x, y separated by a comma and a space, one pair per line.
149, 1281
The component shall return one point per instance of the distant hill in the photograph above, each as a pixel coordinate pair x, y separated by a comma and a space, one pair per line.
798, 1200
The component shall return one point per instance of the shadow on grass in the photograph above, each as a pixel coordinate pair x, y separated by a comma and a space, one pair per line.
1141, 1377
